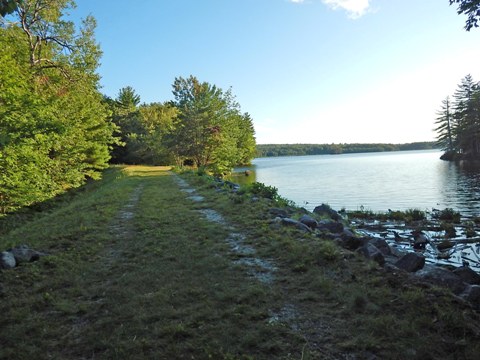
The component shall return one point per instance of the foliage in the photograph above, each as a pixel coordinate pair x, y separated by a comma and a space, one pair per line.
471, 8
211, 130
458, 122
444, 126
448, 214
262, 190
203, 127
271, 150
143, 129
54, 131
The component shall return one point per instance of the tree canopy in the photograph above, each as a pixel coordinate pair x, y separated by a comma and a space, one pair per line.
458, 122
471, 8
54, 127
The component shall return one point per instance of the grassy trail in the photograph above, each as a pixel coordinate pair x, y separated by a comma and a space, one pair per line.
145, 266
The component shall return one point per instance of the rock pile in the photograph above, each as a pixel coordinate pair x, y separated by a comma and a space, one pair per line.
327, 223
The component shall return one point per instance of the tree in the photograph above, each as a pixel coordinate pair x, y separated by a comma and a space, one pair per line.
211, 130
466, 123
471, 8
54, 127
7, 7
444, 127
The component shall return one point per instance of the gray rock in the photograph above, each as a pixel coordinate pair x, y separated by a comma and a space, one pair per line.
295, 223
352, 242
276, 212
326, 210
381, 245
23, 253
309, 221
334, 227
371, 252
411, 262
7, 260
467, 275
441, 277
472, 295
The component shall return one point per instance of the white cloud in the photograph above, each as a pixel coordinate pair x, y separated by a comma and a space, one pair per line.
297, 1
354, 8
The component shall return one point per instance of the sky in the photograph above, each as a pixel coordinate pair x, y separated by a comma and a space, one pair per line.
307, 71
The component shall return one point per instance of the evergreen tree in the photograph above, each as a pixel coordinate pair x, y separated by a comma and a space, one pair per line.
466, 124
444, 127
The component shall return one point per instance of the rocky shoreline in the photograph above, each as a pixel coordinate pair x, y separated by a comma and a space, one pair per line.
326, 223
431, 250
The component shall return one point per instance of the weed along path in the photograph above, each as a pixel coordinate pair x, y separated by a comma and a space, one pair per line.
147, 264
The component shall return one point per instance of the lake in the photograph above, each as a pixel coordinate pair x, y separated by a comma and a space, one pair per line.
397, 180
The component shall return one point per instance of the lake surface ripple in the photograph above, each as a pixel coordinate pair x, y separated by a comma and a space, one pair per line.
374, 181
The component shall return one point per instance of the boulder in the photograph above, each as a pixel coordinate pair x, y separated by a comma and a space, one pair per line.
467, 275
420, 240
411, 262
441, 277
472, 295
352, 242
7, 260
297, 224
23, 253
326, 210
332, 226
371, 252
381, 245
276, 212
309, 221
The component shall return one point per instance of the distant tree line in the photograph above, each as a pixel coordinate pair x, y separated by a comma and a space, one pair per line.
271, 150
57, 129
458, 122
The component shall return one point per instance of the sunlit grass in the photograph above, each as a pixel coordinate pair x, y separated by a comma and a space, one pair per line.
161, 283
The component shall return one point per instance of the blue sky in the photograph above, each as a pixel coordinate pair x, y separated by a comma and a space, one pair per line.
311, 71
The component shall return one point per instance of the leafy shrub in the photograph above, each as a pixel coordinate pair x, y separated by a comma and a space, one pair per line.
415, 215
448, 214
262, 190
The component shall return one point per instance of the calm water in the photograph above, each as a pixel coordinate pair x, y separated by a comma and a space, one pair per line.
374, 181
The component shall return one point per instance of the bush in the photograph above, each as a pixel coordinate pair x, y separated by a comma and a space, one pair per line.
448, 214
415, 215
262, 190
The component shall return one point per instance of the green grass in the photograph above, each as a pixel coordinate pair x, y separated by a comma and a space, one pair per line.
134, 271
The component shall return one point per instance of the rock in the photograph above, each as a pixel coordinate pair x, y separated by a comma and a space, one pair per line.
326, 210
381, 245
472, 295
334, 227
397, 252
23, 253
309, 221
352, 242
411, 262
276, 212
347, 232
419, 240
7, 260
467, 275
297, 224
231, 185
441, 277
371, 252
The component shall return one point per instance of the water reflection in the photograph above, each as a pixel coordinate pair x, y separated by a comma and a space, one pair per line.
460, 188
